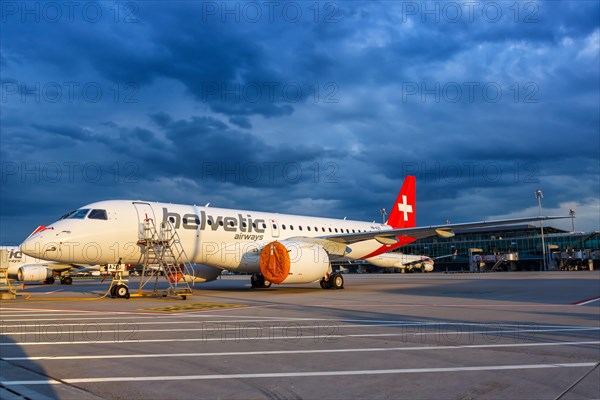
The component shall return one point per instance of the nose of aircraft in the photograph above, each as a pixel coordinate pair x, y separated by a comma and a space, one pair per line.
41, 244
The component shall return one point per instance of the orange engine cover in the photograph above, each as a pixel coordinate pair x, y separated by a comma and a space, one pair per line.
275, 262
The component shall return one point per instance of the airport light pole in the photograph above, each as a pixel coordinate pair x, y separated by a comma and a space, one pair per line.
540, 196
572, 215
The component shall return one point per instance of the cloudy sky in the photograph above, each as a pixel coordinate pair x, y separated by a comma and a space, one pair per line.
317, 108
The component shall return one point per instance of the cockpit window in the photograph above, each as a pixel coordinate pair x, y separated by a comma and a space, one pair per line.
79, 214
67, 215
98, 214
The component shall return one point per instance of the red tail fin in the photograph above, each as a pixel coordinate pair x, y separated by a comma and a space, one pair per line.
404, 212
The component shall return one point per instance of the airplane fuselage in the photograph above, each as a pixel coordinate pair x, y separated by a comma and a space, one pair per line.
217, 237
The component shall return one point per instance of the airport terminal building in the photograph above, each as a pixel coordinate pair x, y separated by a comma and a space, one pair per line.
514, 247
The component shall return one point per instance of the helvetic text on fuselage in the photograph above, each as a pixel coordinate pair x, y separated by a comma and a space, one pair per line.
229, 224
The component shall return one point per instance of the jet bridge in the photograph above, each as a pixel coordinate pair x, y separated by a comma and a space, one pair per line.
479, 262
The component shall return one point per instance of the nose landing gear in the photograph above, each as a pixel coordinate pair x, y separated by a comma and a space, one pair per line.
120, 291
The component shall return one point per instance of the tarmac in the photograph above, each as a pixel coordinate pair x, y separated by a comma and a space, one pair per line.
525, 335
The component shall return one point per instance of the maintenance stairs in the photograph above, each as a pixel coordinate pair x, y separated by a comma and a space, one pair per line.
164, 254
498, 263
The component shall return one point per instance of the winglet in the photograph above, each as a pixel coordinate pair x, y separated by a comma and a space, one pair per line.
404, 212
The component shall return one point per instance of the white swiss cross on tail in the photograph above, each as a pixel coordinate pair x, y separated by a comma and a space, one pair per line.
403, 214
405, 208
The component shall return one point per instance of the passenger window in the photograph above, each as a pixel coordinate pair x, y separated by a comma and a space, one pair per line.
98, 214
283, 226
209, 222
244, 224
329, 229
274, 226
197, 220
184, 220
308, 227
336, 231
264, 226
291, 227
221, 223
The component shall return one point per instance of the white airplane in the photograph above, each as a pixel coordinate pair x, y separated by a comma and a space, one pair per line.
24, 268
406, 262
274, 248
402, 261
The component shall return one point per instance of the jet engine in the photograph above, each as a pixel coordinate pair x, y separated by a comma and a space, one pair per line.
203, 273
293, 262
428, 266
33, 273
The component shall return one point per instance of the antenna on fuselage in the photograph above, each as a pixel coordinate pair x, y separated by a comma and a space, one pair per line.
207, 204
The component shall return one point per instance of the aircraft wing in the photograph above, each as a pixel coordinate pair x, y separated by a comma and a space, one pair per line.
390, 236
60, 267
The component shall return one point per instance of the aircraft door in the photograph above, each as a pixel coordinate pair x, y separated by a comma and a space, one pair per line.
274, 228
144, 210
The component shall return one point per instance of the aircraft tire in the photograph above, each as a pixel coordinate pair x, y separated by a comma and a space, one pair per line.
49, 281
122, 291
67, 280
254, 281
336, 281
266, 283
325, 284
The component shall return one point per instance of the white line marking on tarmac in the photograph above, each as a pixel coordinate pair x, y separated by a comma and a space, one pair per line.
292, 336
62, 310
47, 314
583, 303
276, 352
53, 291
132, 315
299, 374
331, 325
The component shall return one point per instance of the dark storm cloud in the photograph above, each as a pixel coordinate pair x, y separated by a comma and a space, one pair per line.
242, 122
216, 101
206, 144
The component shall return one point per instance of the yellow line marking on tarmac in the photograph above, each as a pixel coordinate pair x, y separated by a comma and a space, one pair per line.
193, 307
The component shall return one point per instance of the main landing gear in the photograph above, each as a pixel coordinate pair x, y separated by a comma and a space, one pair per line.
64, 280
335, 281
258, 281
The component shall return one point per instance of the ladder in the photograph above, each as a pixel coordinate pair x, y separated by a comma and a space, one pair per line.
164, 253
499, 262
